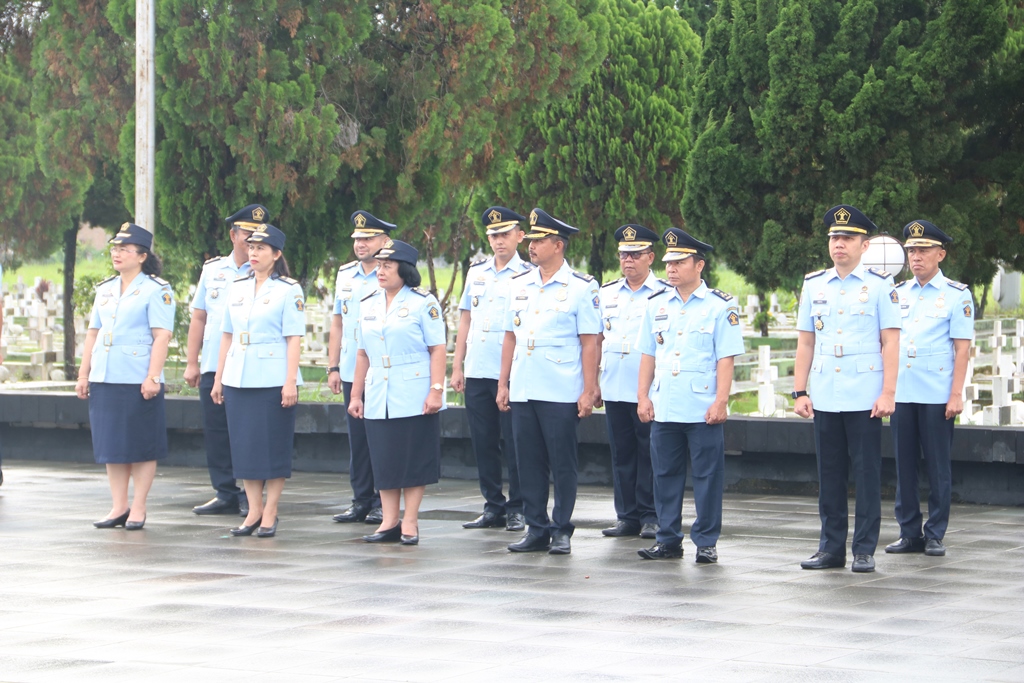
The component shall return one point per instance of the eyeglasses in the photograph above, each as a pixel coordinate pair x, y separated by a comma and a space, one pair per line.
633, 255
123, 250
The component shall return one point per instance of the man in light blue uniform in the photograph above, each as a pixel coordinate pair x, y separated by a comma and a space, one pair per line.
848, 347
688, 337
1, 355
208, 308
622, 308
356, 280
478, 346
549, 361
935, 344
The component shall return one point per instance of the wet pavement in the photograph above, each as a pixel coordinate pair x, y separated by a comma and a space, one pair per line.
181, 600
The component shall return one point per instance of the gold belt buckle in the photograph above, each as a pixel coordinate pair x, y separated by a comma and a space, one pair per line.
108, 339
385, 361
243, 338
838, 350
625, 348
911, 352
529, 344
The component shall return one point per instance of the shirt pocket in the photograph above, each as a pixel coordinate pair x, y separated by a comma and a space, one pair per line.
136, 358
271, 352
413, 373
864, 316
562, 355
704, 384
869, 364
702, 335
940, 365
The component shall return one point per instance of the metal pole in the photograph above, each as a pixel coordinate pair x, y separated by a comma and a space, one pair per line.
145, 114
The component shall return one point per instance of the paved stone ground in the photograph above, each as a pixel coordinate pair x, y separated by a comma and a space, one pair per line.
183, 601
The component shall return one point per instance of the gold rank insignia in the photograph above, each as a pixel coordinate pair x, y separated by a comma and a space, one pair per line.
516, 321
818, 325
916, 229
671, 239
842, 217
494, 216
258, 213
360, 221
434, 313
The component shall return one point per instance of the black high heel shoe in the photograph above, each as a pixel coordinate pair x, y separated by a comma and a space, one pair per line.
387, 536
267, 531
111, 522
411, 539
135, 526
243, 530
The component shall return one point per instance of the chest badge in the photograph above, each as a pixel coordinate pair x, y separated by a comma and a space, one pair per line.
266, 301
220, 276
214, 293
660, 339
561, 295
136, 292
403, 312
516, 321
476, 301
607, 324
940, 303
818, 325
863, 298
344, 308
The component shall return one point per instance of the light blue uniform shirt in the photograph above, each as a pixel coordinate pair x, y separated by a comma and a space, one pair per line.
351, 287
622, 309
125, 323
548, 320
933, 316
259, 322
486, 299
846, 317
396, 340
211, 296
686, 341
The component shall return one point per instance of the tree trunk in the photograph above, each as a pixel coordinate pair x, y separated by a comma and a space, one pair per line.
70, 255
596, 264
979, 305
766, 308
429, 249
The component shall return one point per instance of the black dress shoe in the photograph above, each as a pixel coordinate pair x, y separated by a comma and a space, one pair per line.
906, 545
516, 522
355, 513
530, 543
862, 564
111, 522
487, 520
267, 531
821, 560
649, 531
661, 551
411, 539
135, 526
707, 554
934, 548
560, 544
622, 529
387, 536
374, 516
243, 530
217, 506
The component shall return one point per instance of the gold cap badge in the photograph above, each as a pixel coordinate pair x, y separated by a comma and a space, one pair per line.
916, 230
671, 239
258, 213
390, 243
124, 227
842, 217
533, 218
629, 234
494, 216
360, 221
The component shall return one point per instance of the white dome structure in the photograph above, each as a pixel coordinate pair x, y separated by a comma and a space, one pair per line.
885, 252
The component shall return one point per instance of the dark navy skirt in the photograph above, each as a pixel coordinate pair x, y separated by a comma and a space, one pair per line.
262, 433
126, 428
405, 451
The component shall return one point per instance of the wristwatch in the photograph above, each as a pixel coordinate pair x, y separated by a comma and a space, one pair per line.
437, 387
334, 368
155, 380
798, 394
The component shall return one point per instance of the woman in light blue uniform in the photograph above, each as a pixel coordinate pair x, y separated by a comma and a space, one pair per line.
258, 376
401, 365
122, 373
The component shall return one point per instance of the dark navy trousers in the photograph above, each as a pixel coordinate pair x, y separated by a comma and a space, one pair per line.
848, 440
546, 446
921, 429
672, 445
633, 478
491, 433
360, 471
218, 445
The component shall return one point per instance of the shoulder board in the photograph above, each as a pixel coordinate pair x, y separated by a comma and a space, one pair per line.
371, 294
956, 285
246, 276
722, 295
160, 281
103, 282
658, 293
613, 282
521, 274
879, 272
900, 284
211, 260
288, 280
811, 276
421, 291
666, 283
347, 265
586, 277
480, 261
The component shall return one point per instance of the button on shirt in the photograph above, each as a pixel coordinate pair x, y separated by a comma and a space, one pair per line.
846, 316
259, 322
350, 288
622, 309
686, 340
396, 339
486, 299
932, 316
125, 323
547, 320
211, 296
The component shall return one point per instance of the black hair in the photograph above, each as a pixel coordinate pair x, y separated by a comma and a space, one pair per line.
409, 273
564, 241
152, 265
280, 266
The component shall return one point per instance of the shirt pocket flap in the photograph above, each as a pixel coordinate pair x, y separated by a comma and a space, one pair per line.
820, 310
704, 384
937, 314
940, 364
706, 327
562, 354
869, 364
135, 350
414, 372
270, 351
